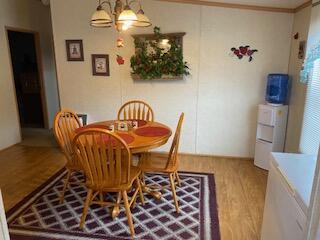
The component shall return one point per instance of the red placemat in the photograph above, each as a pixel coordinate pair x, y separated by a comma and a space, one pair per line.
126, 137
91, 126
152, 131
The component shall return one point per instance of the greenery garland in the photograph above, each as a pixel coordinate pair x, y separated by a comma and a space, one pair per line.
151, 61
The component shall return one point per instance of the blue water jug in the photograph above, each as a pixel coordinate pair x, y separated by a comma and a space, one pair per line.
277, 88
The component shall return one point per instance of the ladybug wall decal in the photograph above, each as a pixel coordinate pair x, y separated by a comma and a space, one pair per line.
244, 51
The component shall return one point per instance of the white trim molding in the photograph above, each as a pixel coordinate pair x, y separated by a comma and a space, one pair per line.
4, 233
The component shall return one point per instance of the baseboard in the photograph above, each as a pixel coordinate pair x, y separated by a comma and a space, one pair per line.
7, 148
163, 153
204, 155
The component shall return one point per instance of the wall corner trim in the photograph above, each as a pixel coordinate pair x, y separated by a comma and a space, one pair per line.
302, 6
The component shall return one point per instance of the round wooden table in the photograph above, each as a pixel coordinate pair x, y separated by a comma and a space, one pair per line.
147, 136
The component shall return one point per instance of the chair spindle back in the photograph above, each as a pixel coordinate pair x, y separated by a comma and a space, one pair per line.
65, 124
104, 156
136, 110
173, 154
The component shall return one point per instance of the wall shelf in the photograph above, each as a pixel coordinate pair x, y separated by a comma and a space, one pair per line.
168, 78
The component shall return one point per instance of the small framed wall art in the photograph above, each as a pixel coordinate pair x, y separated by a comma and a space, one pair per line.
100, 65
74, 50
302, 49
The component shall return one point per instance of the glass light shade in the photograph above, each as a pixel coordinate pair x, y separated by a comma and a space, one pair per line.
126, 25
127, 16
143, 20
101, 18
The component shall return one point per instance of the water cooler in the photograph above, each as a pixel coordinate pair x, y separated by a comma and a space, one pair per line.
272, 120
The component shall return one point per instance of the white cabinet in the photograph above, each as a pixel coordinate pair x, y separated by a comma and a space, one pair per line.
288, 196
271, 131
283, 218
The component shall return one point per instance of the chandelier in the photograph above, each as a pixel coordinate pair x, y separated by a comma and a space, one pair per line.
124, 16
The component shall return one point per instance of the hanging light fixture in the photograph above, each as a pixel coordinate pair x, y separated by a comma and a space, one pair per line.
124, 16
143, 20
127, 15
101, 18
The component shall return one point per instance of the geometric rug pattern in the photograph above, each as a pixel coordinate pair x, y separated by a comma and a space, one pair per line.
40, 216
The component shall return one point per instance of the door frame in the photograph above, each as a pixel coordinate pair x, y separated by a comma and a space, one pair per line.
40, 72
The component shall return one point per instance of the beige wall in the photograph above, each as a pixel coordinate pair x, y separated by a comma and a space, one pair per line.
28, 15
220, 97
298, 91
229, 89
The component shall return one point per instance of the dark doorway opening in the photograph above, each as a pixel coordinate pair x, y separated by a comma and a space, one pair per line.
26, 73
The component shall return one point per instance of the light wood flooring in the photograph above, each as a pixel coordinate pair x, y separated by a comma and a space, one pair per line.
240, 185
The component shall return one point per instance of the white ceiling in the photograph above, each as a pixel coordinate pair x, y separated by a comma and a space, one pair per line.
266, 3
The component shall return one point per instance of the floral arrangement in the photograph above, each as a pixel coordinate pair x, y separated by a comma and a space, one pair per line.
159, 57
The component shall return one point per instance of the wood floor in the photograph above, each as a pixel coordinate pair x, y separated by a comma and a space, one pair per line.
240, 186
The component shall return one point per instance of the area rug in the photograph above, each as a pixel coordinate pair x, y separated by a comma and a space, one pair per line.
40, 216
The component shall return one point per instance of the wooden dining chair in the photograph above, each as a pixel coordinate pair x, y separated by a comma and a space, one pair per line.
168, 166
136, 110
65, 124
106, 160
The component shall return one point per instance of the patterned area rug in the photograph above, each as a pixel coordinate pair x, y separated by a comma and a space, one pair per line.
40, 216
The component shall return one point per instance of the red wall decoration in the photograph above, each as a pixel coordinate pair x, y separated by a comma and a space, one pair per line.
244, 51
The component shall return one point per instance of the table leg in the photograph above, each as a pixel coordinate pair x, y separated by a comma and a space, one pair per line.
145, 188
154, 193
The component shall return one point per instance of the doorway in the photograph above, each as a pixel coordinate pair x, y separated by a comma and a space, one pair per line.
28, 78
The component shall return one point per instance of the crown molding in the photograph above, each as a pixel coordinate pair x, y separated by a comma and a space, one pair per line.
241, 6
316, 3
302, 6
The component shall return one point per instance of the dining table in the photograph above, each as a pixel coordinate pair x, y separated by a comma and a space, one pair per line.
145, 136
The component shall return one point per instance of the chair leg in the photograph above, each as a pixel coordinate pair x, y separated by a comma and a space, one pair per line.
116, 209
66, 183
128, 212
173, 189
142, 178
101, 198
140, 191
177, 178
136, 188
85, 208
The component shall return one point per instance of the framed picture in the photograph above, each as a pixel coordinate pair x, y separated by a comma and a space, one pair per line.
74, 50
302, 47
100, 65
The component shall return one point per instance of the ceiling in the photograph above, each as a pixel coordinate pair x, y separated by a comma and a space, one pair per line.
265, 3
